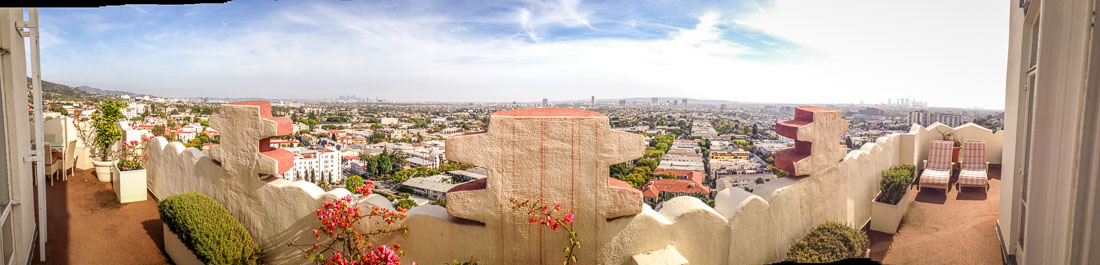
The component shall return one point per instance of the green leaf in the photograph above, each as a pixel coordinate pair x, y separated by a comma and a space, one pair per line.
566, 250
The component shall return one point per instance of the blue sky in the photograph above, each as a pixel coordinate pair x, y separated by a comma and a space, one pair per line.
792, 51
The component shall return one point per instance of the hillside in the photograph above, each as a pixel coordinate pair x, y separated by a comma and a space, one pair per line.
55, 91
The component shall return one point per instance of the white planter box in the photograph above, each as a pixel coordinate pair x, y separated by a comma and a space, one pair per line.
177, 251
886, 217
130, 185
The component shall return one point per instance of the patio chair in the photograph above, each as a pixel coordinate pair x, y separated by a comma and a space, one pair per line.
973, 169
937, 168
53, 165
70, 160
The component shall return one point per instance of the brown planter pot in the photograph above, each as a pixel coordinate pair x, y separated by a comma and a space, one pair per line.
955, 154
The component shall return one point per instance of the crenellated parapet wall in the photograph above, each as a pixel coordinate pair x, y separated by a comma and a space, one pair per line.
560, 156
274, 210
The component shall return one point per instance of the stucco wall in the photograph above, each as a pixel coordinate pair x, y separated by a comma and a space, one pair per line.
743, 228
275, 211
17, 137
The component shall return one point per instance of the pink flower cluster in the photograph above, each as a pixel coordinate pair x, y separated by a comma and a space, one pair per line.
131, 155
349, 246
544, 215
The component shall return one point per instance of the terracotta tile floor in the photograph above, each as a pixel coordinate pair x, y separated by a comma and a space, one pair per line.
87, 225
958, 229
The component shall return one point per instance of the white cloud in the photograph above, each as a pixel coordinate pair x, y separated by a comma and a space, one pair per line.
949, 53
855, 50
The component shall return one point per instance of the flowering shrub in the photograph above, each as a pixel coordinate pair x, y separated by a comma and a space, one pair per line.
543, 214
347, 245
131, 155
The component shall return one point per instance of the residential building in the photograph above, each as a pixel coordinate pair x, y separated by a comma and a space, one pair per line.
431, 187
133, 110
388, 121
325, 164
925, 118
656, 188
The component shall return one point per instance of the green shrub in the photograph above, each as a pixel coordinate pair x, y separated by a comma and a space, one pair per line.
405, 204
828, 242
911, 168
208, 230
353, 182
894, 183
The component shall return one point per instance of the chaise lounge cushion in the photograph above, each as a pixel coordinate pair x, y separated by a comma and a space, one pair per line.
972, 178
935, 177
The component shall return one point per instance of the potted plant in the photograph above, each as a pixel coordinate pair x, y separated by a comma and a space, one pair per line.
950, 136
891, 202
128, 176
102, 134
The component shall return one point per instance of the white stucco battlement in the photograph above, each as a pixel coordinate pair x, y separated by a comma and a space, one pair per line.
552, 157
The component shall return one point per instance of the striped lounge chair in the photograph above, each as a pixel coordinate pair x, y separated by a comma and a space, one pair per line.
937, 168
973, 168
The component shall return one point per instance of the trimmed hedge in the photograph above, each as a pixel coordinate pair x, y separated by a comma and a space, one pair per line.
208, 230
828, 242
894, 183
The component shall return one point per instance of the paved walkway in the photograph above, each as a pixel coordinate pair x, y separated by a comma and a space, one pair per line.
87, 225
958, 229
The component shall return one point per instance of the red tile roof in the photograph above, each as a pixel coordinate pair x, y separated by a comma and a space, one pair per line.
653, 188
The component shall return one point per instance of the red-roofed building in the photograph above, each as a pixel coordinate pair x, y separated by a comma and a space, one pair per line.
694, 175
282, 143
674, 187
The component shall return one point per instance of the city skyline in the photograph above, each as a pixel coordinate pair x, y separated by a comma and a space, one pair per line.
743, 51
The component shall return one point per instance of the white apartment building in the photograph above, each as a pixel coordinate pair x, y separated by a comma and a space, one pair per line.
388, 121
133, 110
925, 118
321, 164
130, 133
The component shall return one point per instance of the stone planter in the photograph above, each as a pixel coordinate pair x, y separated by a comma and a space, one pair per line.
177, 251
103, 169
887, 217
129, 185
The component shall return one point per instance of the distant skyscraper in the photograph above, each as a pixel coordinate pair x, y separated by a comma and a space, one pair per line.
655, 101
685, 102
622, 102
545, 102
722, 107
593, 100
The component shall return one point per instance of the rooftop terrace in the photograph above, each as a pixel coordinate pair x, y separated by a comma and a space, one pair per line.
559, 157
87, 225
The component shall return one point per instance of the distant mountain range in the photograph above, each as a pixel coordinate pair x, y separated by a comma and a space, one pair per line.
78, 92
100, 91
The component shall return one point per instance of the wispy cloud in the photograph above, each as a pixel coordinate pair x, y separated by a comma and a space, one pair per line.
786, 51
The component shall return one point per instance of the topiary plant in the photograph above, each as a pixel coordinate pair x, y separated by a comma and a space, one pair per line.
353, 182
828, 242
208, 230
894, 183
